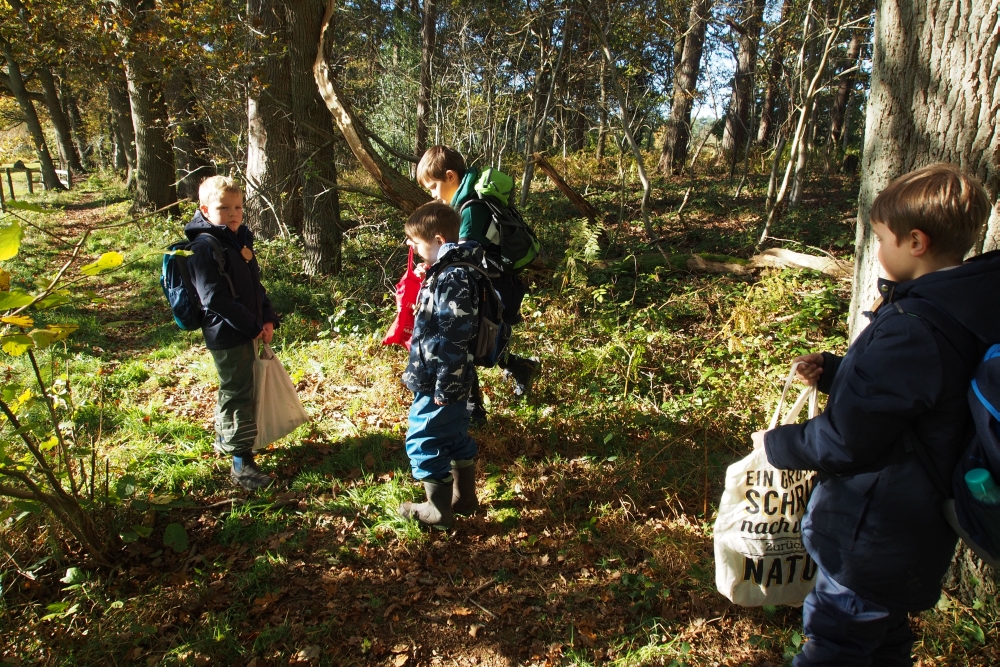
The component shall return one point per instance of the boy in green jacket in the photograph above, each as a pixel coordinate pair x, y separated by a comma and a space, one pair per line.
443, 172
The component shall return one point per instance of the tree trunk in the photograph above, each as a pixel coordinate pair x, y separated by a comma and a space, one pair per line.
272, 204
770, 115
60, 123
20, 93
602, 127
72, 110
539, 126
322, 235
930, 102
191, 151
678, 129
397, 188
838, 109
155, 174
121, 114
748, 38
428, 33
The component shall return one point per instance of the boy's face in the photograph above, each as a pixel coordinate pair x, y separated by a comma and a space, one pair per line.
426, 248
226, 210
443, 191
896, 255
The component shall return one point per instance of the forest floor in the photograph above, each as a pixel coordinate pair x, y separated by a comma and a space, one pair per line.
594, 541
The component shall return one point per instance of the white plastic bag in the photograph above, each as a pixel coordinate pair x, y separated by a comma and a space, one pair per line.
759, 555
277, 407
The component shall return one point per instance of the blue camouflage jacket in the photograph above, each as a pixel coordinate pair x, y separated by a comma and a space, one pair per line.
447, 319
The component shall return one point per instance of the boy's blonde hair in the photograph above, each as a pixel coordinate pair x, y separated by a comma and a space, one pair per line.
213, 187
434, 219
940, 200
437, 161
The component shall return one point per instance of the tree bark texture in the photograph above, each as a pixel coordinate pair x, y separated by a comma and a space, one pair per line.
397, 188
121, 114
770, 111
72, 110
272, 206
934, 97
678, 129
191, 150
60, 123
322, 235
154, 183
737, 120
428, 34
20, 93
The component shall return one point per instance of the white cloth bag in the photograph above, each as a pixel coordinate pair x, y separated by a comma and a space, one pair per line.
759, 555
276, 404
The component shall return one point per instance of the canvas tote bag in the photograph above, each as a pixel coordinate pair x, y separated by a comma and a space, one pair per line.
276, 404
759, 555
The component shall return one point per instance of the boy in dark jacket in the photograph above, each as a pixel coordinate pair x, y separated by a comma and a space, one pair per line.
237, 313
440, 371
442, 171
874, 524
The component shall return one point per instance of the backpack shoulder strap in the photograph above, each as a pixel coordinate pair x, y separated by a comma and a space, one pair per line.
219, 253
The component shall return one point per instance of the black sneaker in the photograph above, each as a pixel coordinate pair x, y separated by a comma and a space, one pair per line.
246, 473
521, 372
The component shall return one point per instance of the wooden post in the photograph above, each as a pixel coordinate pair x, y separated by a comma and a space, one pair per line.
69, 176
31, 184
10, 184
3, 202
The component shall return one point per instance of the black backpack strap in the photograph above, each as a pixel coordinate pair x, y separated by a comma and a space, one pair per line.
219, 253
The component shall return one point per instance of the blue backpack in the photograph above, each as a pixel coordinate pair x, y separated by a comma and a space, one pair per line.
175, 279
976, 522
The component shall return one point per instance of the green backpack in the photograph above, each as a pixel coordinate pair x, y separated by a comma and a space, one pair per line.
517, 241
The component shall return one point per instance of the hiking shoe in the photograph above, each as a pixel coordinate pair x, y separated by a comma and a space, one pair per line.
246, 474
436, 512
521, 372
477, 418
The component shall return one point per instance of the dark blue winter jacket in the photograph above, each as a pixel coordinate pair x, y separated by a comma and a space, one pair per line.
447, 319
874, 521
228, 322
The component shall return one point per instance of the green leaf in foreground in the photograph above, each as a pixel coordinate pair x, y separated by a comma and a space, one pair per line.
10, 240
14, 299
16, 345
106, 262
175, 537
33, 208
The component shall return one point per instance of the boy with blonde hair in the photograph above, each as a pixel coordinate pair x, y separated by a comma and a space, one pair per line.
874, 523
226, 275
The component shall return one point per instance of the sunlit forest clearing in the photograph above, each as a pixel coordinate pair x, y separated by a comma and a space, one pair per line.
680, 163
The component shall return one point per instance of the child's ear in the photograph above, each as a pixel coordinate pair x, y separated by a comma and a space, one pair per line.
203, 208
440, 239
451, 176
920, 243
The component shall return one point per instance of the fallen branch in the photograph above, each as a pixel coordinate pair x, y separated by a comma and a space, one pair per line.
578, 200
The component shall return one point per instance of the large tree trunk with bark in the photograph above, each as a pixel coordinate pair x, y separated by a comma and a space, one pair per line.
678, 130
770, 112
930, 102
191, 150
322, 234
737, 129
72, 110
155, 174
272, 205
20, 93
60, 123
397, 188
121, 115
428, 34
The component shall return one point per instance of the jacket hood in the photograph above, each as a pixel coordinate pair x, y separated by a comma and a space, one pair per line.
489, 182
466, 189
967, 293
468, 251
200, 225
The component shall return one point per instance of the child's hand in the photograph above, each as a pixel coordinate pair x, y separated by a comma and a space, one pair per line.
420, 269
267, 332
757, 438
810, 367
438, 401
